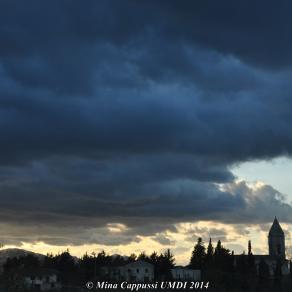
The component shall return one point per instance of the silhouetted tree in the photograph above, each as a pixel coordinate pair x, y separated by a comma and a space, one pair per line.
249, 248
169, 258
102, 259
142, 256
198, 255
48, 261
222, 257
86, 268
65, 264
132, 257
250, 259
218, 248
154, 258
165, 263
210, 253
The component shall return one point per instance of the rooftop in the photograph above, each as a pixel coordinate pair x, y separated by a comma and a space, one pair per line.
276, 229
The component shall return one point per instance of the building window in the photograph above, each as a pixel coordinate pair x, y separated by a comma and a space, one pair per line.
146, 270
137, 270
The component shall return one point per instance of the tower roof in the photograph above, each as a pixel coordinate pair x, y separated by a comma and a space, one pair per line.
276, 228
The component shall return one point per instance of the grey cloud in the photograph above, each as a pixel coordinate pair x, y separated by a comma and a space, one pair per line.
205, 233
126, 112
162, 239
146, 210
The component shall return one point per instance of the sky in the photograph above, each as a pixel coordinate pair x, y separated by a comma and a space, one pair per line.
136, 126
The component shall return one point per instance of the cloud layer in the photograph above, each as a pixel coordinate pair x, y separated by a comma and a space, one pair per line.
133, 113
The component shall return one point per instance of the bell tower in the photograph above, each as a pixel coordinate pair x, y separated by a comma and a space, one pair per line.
276, 240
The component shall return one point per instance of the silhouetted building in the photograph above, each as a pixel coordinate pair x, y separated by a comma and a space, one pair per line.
276, 257
276, 240
41, 280
185, 274
138, 271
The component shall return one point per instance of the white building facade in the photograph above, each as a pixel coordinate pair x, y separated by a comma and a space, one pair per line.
184, 274
138, 271
42, 281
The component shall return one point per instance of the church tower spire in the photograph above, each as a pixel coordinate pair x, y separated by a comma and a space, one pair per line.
276, 240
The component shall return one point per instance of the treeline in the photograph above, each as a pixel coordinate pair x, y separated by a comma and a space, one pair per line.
75, 272
218, 265
204, 258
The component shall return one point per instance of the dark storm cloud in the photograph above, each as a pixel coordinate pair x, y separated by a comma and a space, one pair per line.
133, 112
58, 217
253, 31
82, 80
